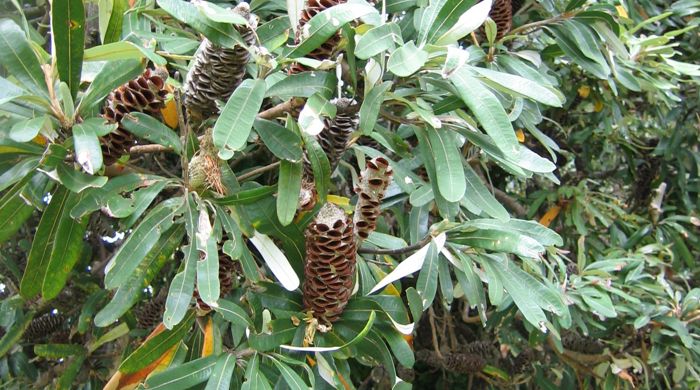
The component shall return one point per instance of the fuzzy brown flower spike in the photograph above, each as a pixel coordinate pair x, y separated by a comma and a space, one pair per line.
217, 71
330, 264
144, 94
370, 190
327, 49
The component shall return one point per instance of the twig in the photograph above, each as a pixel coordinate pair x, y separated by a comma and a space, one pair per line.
431, 318
399, 251
510, 203
541, 23
258, 171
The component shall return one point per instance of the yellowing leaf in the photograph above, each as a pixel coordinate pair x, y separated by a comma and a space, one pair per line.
549, 216
39, 139
584, 91
208, 345
339, 200
598, 106
621, 11
521, 136
169, 113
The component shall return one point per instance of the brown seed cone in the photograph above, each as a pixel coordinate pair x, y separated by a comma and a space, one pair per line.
327, 49
463, 363
150, 314
515, 5
522, 362
144, 94
502, 14
307, 195
336, 134
217, 71
227, 272
44, 326
330, 264
370, 191
205, 167
582, 344
485, 349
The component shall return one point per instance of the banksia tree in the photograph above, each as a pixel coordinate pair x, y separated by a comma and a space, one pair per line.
370, 191
329, 47
216, 71
144, 94
329, 270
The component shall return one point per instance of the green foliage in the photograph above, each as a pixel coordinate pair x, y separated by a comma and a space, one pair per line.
541, 221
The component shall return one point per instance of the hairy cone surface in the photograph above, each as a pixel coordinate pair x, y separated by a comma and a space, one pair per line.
144, 94
330, 264
217, 71
370, 191
502, 14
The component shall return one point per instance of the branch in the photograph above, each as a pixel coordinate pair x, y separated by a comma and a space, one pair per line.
510, 203
258, 171
541, 23
399, 251
271, 113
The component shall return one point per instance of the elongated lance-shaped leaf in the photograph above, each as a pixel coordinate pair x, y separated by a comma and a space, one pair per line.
140, 242
67, 247
68, 33
233, 313
276, 260
428, 277
14, 333
88, 152
43, 244
184, 376
220, 378
233, 127
448, 164
371, 107
128, 293
152, 129
521, 86
208, 284
19, 58
154, 347
479, 195
181, 288
487, 109
288, 191
13, 211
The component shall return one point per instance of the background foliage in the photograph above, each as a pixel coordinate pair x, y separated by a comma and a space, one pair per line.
540, 231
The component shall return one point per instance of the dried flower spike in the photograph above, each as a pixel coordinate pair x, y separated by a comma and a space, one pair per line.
370, 191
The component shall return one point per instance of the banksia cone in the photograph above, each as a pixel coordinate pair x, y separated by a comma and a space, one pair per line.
463, 363
502, 14
583, 344
522, 362
217, 71
144, 94
204, 168
370, 190
43, 326
515, 5
326, 50
227, 272
330, 264
151, 314
484, 349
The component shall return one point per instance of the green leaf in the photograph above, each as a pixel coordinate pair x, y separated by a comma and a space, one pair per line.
140, 242
276, 261
112, 75
13, 212
129, 292
66, 250
471, 284
521, 86
247, 196
113, 30
95, 198
598, 301
448, 164
183, 376
378, 39
325, 24
57, 351
276, 333
19, 58
14, 334
282, 142
233, 126
68, 33
43, 243
152, 129
220, 378
77, 181
17, 172
304, 84
468, 21
372, 105
532, 229
288, 191
428, 277
319, 165
487, 110
255, 379
223, 34
480, 196
449, 15
87, 148
406, 60
181, 289
208, 284
292, 378
499, 240
233, 313
26, 130
156, 346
